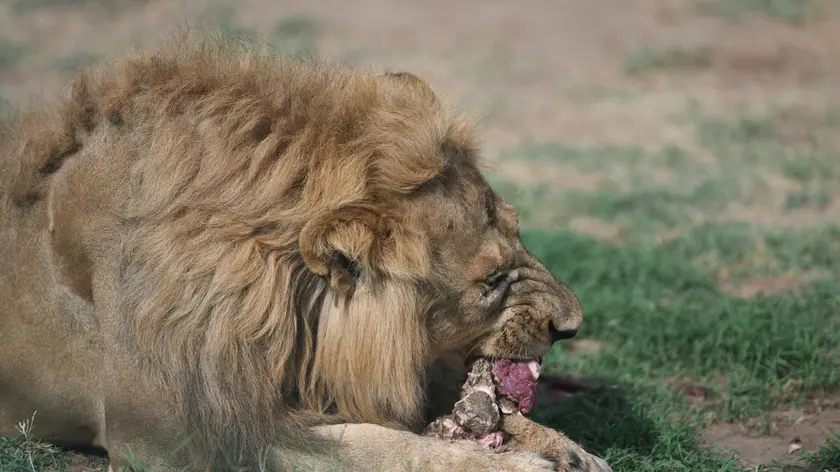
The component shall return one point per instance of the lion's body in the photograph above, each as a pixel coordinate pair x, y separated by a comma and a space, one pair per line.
48, 341
231, 248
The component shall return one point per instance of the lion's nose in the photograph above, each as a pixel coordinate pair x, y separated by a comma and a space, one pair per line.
568, 316
560, 334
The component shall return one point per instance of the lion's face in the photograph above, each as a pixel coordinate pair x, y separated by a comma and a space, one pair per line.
493, 297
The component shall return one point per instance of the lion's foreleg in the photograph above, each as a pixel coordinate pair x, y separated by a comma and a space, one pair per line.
570, 456
374, 448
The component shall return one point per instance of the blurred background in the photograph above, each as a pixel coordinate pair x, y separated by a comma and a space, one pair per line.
675, 161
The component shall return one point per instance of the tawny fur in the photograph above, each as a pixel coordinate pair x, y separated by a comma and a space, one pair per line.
531, 436
203, 203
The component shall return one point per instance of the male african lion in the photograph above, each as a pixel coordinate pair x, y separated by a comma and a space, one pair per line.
216, 257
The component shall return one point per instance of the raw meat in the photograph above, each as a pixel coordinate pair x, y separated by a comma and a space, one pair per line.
491, 389
518, 381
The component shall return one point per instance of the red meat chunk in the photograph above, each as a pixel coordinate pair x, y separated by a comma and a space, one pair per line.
518, 380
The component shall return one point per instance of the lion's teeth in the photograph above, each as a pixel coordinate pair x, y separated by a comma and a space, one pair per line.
534, 366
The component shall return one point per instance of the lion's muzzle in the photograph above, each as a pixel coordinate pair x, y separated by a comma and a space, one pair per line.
567, 317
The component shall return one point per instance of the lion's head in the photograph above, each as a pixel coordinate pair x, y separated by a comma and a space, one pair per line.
428, 266
296, 240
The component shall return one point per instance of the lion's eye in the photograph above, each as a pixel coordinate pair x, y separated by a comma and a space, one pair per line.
494, 286
494, 280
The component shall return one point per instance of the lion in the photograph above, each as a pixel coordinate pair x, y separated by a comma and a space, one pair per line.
214, 258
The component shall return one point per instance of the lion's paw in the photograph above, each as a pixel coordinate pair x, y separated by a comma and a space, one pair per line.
581, 461
520, 461
598, 465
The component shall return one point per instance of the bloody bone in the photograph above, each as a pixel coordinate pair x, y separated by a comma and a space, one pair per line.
494, 400
492, 389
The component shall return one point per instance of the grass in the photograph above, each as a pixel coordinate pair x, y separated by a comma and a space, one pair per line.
647, 59
791, 11
826, 458
294, 35
22, 454
11, 54
107, 6
222, 18
662, 313
755, 163
670, 309
74, 62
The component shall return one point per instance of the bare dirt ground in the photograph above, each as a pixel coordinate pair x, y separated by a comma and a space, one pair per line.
793, 429
597, 72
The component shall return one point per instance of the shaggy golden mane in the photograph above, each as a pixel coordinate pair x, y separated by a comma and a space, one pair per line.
241, 167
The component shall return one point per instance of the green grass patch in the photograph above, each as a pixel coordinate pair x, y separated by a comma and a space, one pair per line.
107, 6
646, 209
646, 191
827, 458
222, 19
634, 428
748, 143
638, 211
75, 62
22, 454
11, 54
818, 198
662, 314
23, 6
791, 11
605, 159
296, 36
669, 310
650, 59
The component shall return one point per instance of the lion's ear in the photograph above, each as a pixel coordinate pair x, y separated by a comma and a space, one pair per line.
406, 76
342, 243
414, 81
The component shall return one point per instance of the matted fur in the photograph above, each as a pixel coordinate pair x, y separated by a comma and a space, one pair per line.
248, 187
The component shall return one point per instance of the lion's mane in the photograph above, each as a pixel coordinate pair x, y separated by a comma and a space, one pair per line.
247, 176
